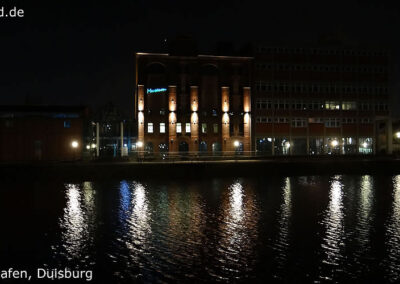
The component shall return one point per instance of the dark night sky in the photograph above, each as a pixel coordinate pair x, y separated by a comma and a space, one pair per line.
82, 52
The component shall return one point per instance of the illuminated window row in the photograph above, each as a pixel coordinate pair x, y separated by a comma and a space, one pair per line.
150, 127
263, 103
302, 122
263, 86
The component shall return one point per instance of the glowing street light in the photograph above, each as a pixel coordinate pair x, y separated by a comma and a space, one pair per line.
287, 144
93, 146
334, 143
365, 144
88, 147
74, 144
139, 144
398, 135
236, 143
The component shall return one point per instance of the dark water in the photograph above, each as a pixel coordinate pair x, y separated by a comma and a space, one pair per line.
295, 229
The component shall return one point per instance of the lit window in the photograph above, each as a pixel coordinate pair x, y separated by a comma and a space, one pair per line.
204, 127
187, 127
332, 105
150, 127
349, 105
162, 127
215, 127
178, 127
67, 124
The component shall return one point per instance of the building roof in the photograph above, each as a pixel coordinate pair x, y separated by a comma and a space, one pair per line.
56, 111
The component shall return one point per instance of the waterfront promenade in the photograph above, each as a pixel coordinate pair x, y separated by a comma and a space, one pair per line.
239, 166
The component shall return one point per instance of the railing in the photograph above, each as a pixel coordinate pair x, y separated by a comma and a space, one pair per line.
143, 156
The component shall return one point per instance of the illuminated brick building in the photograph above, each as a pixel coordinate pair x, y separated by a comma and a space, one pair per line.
320, 100
193, 103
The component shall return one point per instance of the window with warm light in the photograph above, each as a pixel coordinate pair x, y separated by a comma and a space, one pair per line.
162, 127
178, 127
187, 127
204, 127
150, 127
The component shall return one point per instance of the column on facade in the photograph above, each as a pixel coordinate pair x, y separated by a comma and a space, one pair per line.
173, 144
225, 119
140, 144
389, 135
194, 119
247, 119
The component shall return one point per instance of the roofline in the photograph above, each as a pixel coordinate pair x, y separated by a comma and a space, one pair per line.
200, 55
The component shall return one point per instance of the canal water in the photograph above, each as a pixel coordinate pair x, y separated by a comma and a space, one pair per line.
312, 229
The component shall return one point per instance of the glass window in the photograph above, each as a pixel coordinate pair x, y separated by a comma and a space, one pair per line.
162, 127
178, 127
215, 127
349, 105
187, 127
67, 124
204, 128
332, 105
150, 127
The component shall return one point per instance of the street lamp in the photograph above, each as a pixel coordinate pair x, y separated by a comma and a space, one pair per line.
365, 144
74, 145
139, 144
397, 135
236, 143
334, 143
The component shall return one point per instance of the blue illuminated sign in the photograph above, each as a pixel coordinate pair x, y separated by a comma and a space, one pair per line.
158, 90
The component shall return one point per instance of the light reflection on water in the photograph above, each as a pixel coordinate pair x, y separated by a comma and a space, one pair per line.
332, 242
285, 213
365, 215
238, 233
78, 222
211, 230
391, 261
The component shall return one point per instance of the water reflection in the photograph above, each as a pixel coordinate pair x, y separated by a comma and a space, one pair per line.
135, 218
365, 212
78, 221
238, 230
392, 262
285, 212
332, 241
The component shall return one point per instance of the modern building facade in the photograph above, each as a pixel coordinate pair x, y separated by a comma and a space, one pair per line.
320, 100
193, 103
47, 133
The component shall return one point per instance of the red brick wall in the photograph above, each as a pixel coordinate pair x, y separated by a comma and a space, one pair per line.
17, 140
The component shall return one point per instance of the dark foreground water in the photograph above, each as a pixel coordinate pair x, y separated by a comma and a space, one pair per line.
298, 229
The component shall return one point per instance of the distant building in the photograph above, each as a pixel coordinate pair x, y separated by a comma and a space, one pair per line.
190, 102
321, 100
115, 133
47, 133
